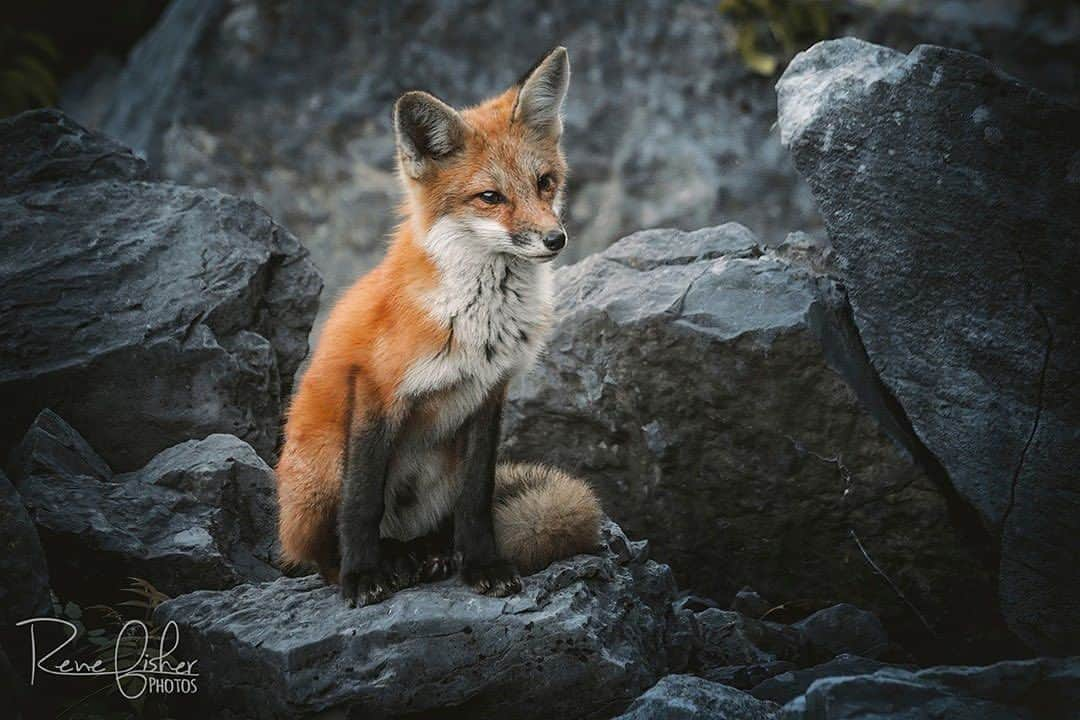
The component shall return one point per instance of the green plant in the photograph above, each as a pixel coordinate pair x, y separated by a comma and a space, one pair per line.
28, 70
768, 33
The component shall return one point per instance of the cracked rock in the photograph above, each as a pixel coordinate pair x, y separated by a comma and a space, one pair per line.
144, 312
585, 637
717, 397
959, 253
198, 515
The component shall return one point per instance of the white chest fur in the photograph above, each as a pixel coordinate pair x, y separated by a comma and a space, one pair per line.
496, 308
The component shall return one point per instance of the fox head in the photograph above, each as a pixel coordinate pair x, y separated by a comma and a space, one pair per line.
490, 178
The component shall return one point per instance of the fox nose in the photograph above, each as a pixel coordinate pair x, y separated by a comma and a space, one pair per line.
555, 240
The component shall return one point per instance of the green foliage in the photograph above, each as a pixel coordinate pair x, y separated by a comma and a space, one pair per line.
28, 70
768, 33
98, 638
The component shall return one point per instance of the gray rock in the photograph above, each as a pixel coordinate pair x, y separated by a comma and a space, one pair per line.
584, 637
844, 628
199, 515
748, 602
718, 399
790, 684
24, 574
143, 312
685, 697
217, 96
960, 254
729, 638
1042, 688
745, 677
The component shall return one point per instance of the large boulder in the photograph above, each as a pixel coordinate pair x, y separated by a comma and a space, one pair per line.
685, 697
951, 193
198, 515
1038, 689
24, 573
718, 399
583, 639
146, 313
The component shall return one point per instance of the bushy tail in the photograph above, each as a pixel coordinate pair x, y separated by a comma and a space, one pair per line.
542, 514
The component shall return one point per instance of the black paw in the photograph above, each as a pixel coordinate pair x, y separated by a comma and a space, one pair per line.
398, 563
364, 587
395, 569
438, 567
494, 577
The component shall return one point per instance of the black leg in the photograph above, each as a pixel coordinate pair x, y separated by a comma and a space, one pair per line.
474, 534
364, 576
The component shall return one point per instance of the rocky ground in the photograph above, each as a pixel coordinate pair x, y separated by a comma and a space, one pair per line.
876, 434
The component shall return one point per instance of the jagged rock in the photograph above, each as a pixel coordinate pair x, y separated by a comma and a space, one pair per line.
719, 401
1043, 688
584, 637
24, 574
729, 638
685, 697
959, 253
748, 602
745, 677
198, 515
844, 628
790, 684
143, 312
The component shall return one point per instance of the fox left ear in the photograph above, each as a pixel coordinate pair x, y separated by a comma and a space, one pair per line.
543, 89
426, 129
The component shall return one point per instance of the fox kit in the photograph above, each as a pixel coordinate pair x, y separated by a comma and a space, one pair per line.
388, 473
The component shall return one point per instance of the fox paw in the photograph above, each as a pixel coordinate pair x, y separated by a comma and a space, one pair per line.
438, 567
495, 577
364, 587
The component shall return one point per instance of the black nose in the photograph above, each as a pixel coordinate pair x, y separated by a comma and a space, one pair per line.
555, 240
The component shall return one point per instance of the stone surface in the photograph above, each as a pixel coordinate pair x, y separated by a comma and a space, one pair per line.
719, 401
585, 637
145, 313
844, 628
685, 697
748, 602
729, 638
1039, 689
790, 684
198, 515
960, 254
24, 573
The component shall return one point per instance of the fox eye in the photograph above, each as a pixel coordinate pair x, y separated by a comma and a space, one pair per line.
492, 197
546, 182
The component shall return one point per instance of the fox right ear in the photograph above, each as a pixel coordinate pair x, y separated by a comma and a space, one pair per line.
426, 129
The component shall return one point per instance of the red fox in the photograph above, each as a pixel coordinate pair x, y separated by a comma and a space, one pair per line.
388, 473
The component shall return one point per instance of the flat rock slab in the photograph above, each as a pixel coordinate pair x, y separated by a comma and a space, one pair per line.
584, 637
951, 194
145, 313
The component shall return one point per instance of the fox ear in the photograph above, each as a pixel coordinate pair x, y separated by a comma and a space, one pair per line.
543, 89
426, 129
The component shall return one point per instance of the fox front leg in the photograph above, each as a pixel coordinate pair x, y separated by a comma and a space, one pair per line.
474, 533
371, 568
